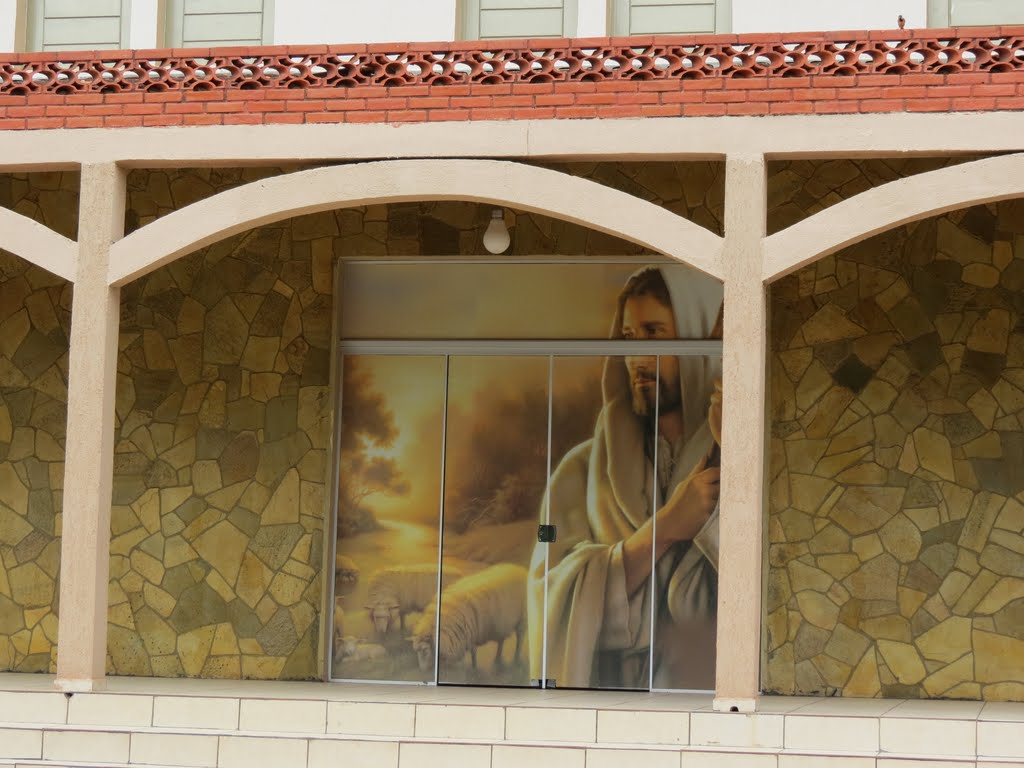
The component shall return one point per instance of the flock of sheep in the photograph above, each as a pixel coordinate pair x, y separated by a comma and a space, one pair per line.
486, 606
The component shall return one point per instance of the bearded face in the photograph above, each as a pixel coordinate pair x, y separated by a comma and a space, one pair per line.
646, 318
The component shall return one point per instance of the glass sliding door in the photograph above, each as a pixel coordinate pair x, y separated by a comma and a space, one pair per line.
496, 449
526, 498
686, 457
388, 532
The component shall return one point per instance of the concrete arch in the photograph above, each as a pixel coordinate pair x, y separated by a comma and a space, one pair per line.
38, 244
891, 205
496, 182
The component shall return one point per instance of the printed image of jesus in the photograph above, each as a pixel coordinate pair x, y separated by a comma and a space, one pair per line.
650, 465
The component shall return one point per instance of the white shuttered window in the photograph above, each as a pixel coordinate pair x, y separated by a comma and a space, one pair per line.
670, 17
972, 13
69, 25
209, 23
490, 19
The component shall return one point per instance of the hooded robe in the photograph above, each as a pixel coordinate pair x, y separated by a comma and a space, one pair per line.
602, 491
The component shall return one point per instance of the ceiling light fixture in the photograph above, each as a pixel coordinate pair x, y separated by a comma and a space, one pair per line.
496, 237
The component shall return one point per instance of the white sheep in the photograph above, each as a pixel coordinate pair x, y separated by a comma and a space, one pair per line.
489, 605
394, 592
354, 649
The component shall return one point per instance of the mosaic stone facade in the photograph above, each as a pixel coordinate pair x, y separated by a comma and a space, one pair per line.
34, 324
896, 554
223, 409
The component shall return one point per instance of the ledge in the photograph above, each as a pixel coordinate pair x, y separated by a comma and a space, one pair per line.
315, 724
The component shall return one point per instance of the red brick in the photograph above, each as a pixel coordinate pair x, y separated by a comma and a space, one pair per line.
561, 100
438, 115
123, 98
527, 101
387, 104
245, 118
755, 83
364, 117
291, 118
202, 119
928, 105
320, 117
747, 108
17, 124
835, 107
479, 101
205, 96
85, 98
881, 105
725, 97
316, 105
489, 113
225, 106
184, 109
103, 109
480, 89
144, 109
703, 110
1005, 89
83, 122
266, 106
950, 91
597, 98
65, 110
162, 120
791, 108
897, 92
246, 94
530, 88
33, 123
625, 110
440, 102
351, 105
974, 104
407, 116
577, 112
682, 97
661, 110
33, 111
123, 121
162, 97
878, 79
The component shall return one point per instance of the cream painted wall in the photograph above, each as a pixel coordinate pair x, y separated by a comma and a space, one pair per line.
355, 21
817, 15
142, 24
7, 14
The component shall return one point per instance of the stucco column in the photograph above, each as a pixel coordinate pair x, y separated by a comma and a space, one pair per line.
743, 437
89, 456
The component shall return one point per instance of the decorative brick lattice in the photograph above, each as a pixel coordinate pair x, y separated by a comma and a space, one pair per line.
520, 62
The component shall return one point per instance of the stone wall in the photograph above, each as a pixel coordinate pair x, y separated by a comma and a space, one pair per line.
896, 555
220, 463
223, 408
34, 325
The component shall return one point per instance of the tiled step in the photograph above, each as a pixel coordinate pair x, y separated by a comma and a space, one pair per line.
208, 724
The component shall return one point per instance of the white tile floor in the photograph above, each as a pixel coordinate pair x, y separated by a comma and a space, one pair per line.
224, 724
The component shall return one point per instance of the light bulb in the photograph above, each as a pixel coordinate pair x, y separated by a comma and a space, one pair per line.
496, 237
